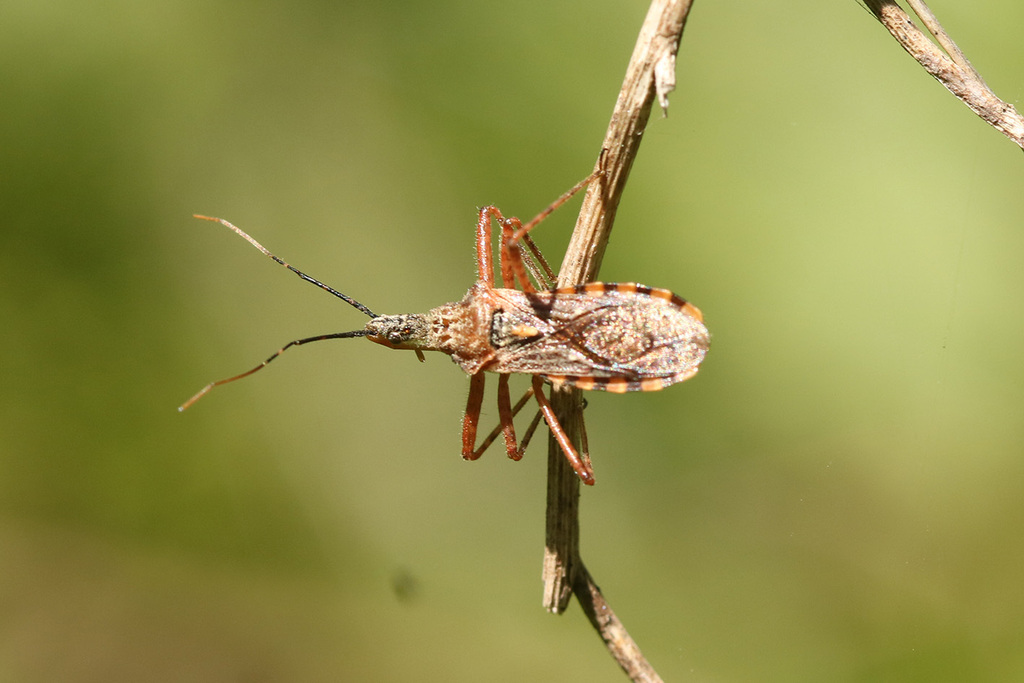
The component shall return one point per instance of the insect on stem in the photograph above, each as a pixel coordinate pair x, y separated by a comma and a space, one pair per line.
605, 336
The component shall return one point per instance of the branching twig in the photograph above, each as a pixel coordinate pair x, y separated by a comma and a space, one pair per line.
650, 75
951, 68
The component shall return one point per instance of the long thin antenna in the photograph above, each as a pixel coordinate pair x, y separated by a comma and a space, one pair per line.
347, 299
298, 342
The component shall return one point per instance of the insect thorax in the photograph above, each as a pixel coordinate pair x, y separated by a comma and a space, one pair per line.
459, 329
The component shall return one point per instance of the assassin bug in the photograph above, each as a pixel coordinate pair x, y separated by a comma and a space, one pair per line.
604, 336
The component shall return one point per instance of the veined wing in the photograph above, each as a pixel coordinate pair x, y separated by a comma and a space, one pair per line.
616, 337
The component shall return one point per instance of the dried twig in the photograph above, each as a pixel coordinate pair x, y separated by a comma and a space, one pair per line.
650, 75
951, 68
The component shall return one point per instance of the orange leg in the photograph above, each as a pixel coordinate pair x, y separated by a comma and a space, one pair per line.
532, 428
485, 267
511, 258
486, 443
582, 468
472, 416
484, 264
506, 413
512, 233
505, 418
513, 271
522, 230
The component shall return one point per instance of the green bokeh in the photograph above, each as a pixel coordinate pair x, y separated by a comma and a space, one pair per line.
836, 496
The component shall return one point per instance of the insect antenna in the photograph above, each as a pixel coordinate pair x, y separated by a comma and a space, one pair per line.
298, 342
344, 297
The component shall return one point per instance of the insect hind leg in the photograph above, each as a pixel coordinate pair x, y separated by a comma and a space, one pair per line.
580, 464
513, 232
499, 429
505, 418
472, 416
580, 461
524, 229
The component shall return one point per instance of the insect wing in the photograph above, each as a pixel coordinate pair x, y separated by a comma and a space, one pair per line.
600, 336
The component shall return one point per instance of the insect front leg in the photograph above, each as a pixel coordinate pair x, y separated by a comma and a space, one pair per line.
581, 467
484, 262
511, 261
513, 232
512, 268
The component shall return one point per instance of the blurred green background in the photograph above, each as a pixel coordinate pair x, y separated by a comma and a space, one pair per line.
837, 495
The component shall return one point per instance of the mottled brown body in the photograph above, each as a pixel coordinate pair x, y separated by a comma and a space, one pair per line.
606, 336
603, 336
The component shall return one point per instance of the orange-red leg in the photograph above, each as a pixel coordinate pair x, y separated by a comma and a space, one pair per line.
512, 232
472, 416
531, 429
506, 413
522, 230
492, 437
485, 267
484, 263
512, 267
513, 271
582, 468
505, 418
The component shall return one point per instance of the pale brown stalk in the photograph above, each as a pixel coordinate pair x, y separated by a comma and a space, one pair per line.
650, 75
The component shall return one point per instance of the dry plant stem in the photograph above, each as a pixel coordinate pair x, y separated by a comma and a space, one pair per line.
953, 71
931, 22
650, 75
645, 79
614, 634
